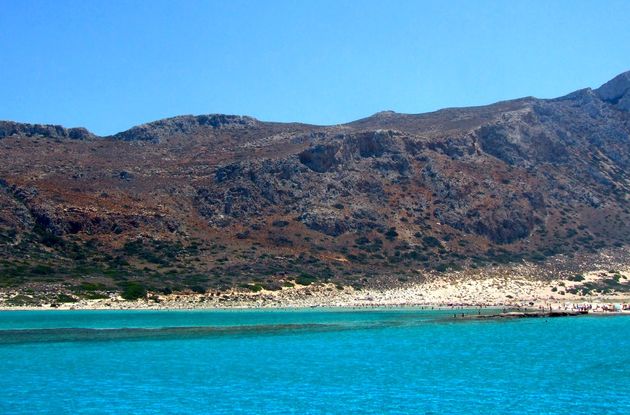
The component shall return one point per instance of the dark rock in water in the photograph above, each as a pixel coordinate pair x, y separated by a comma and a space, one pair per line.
526, 314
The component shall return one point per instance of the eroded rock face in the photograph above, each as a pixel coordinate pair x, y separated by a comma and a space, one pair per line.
13, 213
524, 140
341, 149
320, 158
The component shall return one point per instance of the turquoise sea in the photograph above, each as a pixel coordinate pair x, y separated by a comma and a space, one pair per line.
400, 361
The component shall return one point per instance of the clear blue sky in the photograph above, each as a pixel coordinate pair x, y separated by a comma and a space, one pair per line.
109, 65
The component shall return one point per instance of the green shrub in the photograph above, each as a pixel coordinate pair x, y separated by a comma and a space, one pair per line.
133, 291
391, 234
198, 289
431, 241
42, 270
537, 257
305, 279
48, 238
65, 298
441, 268
362, 240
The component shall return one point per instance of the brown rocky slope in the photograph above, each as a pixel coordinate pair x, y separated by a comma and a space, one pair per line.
194, 202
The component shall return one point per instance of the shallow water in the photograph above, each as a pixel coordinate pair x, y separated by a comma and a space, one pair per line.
310, 361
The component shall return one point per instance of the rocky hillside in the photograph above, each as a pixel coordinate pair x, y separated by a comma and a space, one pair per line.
220, 200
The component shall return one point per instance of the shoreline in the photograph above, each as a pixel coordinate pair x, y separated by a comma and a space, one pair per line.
448, 292
523, 312
460, 313
196, 302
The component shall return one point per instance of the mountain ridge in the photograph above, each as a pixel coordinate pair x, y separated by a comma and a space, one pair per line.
614, 91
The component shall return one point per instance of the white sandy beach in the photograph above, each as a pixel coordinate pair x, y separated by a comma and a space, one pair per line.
447, 291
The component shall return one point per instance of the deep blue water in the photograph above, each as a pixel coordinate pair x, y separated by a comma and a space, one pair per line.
385, 361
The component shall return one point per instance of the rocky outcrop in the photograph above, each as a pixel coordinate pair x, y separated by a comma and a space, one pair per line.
341, 149
14, 129
183, 125
320, 158
617, 91
326, 222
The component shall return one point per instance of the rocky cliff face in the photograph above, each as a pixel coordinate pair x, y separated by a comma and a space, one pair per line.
219, 200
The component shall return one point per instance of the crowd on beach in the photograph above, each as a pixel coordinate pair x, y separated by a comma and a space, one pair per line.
603, 308
590, 307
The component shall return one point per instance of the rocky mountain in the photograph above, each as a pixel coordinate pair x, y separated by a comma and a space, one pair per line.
222, 200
